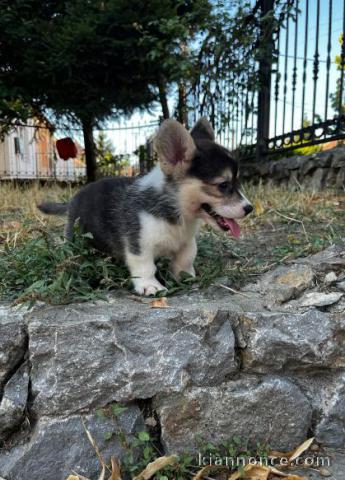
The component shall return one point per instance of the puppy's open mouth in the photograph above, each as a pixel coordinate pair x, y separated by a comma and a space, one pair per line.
228, 225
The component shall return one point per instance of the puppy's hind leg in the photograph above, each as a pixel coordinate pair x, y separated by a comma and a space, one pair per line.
142, 269
68, 232
184, 259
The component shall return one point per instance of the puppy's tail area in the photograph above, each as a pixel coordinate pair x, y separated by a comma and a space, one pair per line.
51, 208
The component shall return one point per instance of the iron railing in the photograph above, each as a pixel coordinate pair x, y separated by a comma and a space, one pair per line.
309, 73
285, 89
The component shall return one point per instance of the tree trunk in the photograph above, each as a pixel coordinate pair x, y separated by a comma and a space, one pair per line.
182, 105
90, 151
163, 98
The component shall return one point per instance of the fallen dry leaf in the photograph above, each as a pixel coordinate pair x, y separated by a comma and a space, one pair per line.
294, 453
324, 472
80, 477
252, 472
102, 474
159, 303
302, 448
260, 472
115, 470
207, 470
95, 446
155, 466
286, 475
71, 477
259, 209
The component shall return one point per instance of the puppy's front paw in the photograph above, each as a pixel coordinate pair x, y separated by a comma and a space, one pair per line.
147, 286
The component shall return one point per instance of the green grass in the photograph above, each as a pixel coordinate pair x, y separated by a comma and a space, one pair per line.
45, 267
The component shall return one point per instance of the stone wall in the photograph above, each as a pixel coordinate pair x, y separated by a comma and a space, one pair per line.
267, 364
317, 171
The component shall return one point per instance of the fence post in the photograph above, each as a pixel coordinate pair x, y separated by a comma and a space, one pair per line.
264, 94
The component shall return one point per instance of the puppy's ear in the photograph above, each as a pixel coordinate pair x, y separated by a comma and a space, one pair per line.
203, 130
175, 148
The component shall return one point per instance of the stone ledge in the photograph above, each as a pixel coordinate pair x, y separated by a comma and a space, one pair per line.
254, 359
316, 171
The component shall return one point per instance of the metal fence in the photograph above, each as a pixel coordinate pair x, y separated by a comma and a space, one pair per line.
307, 81
290, 95
22, 158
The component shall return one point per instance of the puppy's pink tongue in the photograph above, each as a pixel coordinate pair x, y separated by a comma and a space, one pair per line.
234, 227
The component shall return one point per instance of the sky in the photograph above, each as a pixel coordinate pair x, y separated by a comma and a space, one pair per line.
128, 140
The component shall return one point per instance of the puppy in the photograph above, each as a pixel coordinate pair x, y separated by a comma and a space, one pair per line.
159, 214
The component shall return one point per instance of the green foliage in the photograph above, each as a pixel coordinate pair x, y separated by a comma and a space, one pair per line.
57, 271
108, 162
143, 448
51, 269
336, 101
94, 59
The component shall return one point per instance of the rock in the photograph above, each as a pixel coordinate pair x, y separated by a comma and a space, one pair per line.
13, 341
338, 158
60, 445
325, 391
316, 171
13, 402
319, 299
84, 356
341, 286
330, 259
319, 161
330, 429
331, 177
261, 410
330, 278
332, 461
340, 180
317, 179
284, 283
292, 341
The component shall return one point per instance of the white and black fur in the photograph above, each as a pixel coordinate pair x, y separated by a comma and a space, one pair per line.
159, 214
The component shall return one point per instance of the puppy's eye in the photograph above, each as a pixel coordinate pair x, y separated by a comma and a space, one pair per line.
225, 187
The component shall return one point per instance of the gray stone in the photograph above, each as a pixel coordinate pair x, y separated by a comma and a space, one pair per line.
317, 179
13, 401
330, 429
294, 163
330, 259
316, 171
341, 286
320, 160
292, 341
330, 278
283, 283
84, 356
59, 445
331, 177
338, 158
319, 299
261, 410
13, 340
293, 180
340, 180
326, 460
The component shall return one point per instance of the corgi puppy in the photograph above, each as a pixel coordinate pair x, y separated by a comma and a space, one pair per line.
159, 214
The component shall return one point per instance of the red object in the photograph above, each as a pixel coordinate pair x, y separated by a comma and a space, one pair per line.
66, 148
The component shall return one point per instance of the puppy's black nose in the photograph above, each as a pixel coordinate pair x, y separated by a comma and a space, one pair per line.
248, 208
